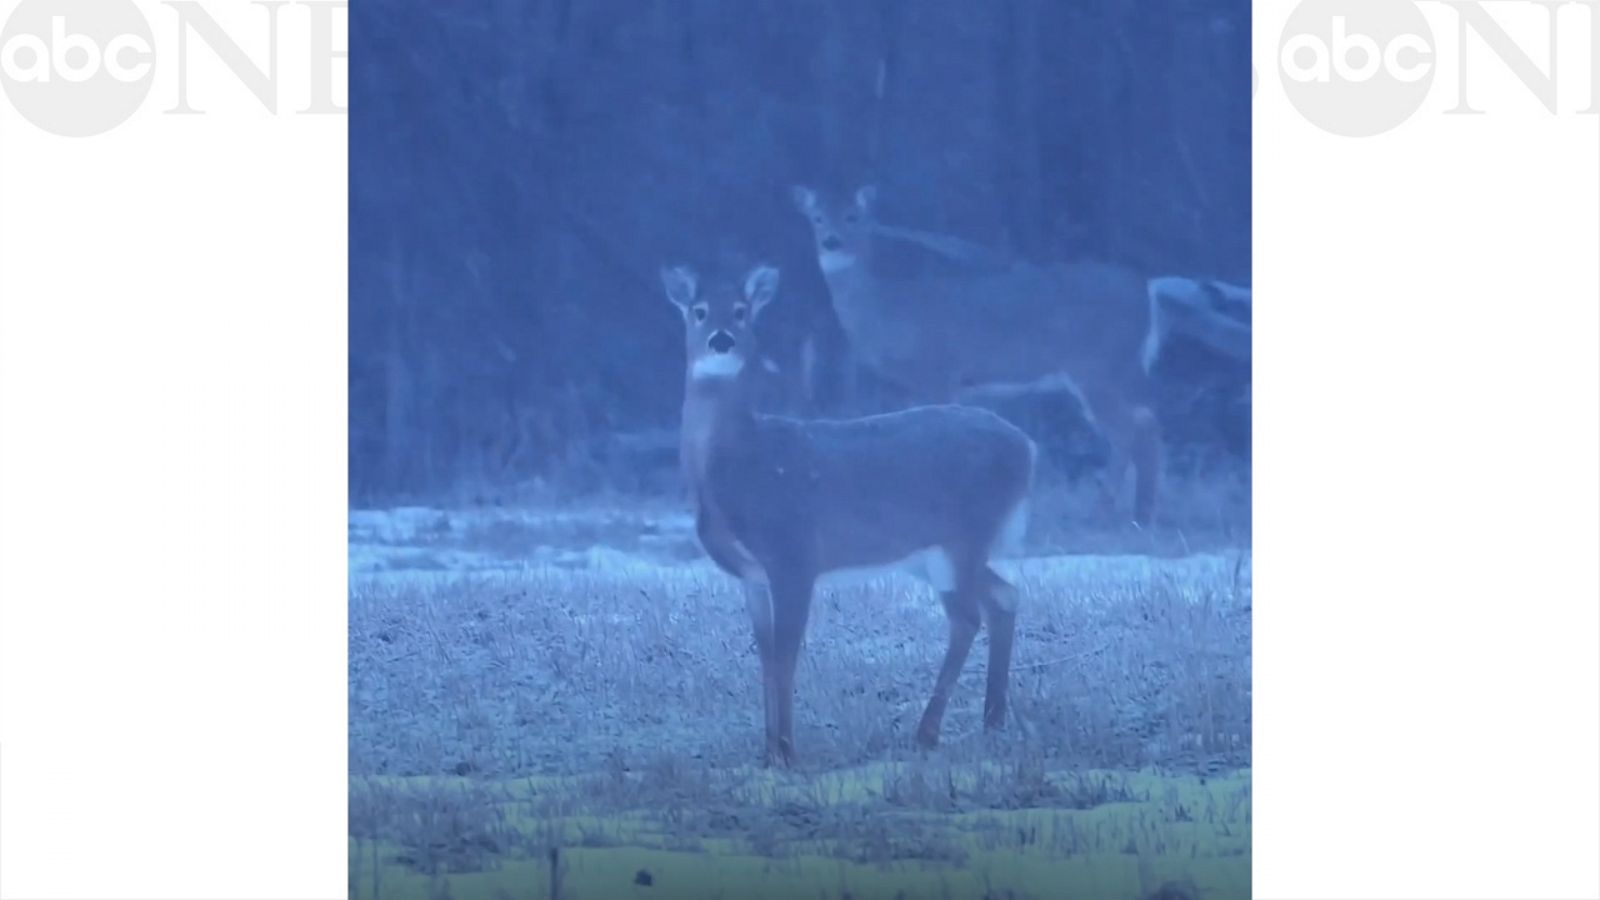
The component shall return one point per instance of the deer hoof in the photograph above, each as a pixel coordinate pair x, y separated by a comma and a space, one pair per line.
780, 756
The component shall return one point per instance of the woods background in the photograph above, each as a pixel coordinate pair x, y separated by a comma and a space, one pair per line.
519, 170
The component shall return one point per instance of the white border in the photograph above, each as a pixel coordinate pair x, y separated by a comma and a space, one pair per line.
1427, 485
172, 339
172, 471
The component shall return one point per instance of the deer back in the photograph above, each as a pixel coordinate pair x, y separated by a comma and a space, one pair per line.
1083, 319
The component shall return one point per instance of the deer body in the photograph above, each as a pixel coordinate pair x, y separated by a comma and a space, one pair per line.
1080, 326
935, 337
779, 502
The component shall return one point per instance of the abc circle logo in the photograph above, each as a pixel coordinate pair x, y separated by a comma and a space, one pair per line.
1356, 68
76, 67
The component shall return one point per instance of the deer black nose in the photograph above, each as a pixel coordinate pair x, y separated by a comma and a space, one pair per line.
721, 342
832, 244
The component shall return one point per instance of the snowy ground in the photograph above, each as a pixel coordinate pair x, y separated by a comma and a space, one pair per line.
522, 679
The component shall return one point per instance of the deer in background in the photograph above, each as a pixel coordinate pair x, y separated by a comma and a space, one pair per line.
1213, 312
1091, 328
779, 502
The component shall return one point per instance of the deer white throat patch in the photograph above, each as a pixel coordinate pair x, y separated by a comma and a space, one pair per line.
717, 365
833, 261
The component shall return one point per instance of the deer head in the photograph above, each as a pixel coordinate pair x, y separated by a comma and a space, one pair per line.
842, 226
719, 318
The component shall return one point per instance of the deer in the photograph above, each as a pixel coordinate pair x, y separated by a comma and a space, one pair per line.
1211, 311
780, 502
1094, 329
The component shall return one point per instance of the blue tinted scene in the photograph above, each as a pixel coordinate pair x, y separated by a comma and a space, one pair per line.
800, 449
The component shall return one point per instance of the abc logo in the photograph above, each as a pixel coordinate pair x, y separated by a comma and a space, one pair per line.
76, 67
1355, 57
74, 57
1356, 67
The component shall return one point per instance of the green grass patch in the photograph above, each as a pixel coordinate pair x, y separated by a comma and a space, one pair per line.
761, 834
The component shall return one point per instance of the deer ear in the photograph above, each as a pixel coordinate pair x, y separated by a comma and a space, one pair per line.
867, 197
679, 282
760, 287
805, 199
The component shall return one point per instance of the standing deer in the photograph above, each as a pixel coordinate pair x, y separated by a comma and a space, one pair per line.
1092, 328
779, 501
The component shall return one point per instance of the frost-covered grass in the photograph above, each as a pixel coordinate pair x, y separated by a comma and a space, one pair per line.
1209, 515
581, 679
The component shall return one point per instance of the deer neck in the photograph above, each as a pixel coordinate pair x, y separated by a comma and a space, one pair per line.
853, 288
717, 417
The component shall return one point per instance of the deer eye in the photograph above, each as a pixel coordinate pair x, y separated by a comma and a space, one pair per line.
700, 312
739, 312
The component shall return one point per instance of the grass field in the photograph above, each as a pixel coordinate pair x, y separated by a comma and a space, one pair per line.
565, 703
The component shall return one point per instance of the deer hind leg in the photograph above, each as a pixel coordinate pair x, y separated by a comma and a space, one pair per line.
961, 607
1112, 480
1000, 615
1134, 434
1146, 451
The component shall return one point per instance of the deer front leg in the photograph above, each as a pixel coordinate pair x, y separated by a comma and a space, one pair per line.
758, 601
791, 608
